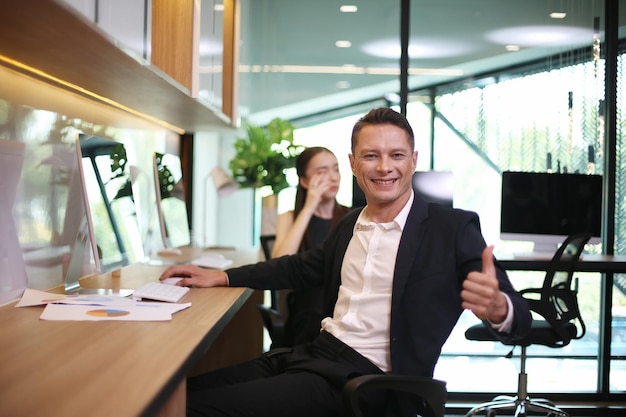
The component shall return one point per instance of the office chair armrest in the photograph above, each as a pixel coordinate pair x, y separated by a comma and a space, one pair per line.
431, 393
275, 325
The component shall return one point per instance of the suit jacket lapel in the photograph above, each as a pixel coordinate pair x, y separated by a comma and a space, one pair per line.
343, 235
412, 238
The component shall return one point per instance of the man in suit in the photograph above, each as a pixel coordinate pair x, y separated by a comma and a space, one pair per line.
396, 276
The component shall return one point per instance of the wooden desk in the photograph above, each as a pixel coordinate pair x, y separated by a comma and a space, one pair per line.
113, 368
588, 263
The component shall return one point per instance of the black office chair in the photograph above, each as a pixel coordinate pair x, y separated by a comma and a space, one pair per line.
267, 244
557, 304
274, 317
425, 397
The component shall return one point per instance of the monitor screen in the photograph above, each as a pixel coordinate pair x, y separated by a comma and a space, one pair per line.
170, 200
545, 208
432, 186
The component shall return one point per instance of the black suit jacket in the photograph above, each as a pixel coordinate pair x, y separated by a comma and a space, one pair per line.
438, 248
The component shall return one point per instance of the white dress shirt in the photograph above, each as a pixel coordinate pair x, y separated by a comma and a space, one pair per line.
361, 318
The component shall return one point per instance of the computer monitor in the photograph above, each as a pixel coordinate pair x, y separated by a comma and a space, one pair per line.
432, 186
435, 186
13, 278
84, 255
170, 200
108, 230
545, 208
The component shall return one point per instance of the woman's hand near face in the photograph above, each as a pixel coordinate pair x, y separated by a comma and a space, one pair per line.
195, 276
318, 185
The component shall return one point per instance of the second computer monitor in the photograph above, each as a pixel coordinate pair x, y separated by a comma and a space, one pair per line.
110, 202
170, 200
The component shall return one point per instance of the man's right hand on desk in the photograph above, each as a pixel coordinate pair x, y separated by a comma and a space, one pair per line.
194, 276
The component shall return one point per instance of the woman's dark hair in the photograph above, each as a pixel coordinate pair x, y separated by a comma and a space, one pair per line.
302, 163
381, 116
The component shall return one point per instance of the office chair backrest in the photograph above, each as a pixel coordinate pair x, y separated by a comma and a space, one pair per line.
558, 302
267, 244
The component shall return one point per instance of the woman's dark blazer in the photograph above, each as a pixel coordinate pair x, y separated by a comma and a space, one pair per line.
438, 248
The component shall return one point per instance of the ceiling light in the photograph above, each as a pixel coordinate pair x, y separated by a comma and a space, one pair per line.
527, 36
512, 48
558, 15
348, 8
218, 8
343, 44
343, 85
422, 48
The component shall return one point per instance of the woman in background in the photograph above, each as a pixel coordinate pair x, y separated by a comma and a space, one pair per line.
315, 212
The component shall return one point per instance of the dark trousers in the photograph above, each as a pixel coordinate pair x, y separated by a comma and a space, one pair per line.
304, 382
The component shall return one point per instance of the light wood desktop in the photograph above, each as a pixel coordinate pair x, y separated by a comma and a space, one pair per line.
64, 368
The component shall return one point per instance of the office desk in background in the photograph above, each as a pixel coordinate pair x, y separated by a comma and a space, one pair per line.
64, 368
588, 263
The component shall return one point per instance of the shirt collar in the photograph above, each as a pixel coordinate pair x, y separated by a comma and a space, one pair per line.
399, 220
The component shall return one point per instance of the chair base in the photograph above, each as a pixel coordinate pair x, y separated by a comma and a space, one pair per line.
519, 406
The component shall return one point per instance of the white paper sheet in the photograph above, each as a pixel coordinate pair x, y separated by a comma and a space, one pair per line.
93, 307
36, 297
139, 312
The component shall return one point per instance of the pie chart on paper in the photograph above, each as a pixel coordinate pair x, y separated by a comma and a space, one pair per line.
107, 312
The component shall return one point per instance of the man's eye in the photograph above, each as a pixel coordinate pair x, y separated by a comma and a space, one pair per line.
397, 156
369, 156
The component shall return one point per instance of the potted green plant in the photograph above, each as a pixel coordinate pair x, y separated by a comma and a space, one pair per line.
265, 153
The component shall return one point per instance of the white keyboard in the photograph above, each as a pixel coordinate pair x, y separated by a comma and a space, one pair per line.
160, 292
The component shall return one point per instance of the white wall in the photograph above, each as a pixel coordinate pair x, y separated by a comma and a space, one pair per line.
219, 221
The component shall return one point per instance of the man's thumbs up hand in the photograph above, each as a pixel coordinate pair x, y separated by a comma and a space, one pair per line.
481, 292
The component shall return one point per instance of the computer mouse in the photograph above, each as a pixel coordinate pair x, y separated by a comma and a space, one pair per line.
169, 252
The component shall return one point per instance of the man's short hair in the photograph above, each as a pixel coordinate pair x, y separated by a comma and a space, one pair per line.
380, 116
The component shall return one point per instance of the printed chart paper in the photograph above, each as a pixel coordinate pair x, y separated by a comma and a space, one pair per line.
139, 312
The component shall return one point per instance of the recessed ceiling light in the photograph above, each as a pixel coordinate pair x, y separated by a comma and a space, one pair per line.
348, 8
343, 84
512, 48
218, 8
422, 48
343, 44
527, 36
558, 15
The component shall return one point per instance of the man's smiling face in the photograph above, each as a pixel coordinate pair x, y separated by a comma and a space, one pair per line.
383, 163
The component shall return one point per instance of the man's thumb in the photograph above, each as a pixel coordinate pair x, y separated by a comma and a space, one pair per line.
488, 266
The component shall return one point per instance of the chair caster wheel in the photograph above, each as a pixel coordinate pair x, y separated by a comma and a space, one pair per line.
490, 413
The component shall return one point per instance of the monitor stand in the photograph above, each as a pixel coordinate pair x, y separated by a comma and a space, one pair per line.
75, 267
100, 291
545, 247
541, 251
